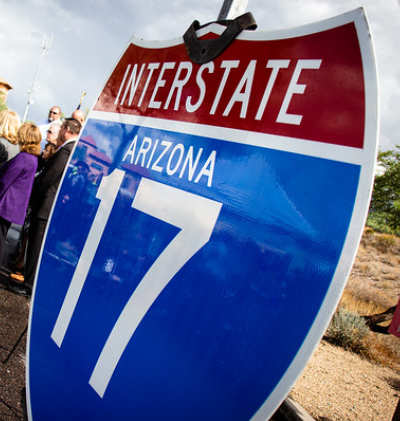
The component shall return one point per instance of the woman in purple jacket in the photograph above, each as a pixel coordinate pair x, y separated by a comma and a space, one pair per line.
16, 180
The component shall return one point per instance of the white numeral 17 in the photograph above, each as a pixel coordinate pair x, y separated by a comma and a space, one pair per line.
196, 216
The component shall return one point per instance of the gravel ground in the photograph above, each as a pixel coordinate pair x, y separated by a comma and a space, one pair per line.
342, 386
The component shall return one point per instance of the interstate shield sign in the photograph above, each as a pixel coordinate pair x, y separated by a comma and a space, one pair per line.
205, 227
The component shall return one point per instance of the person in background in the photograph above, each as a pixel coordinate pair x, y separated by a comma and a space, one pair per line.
54, 116
51, 135
49, 150
16, 181
9, 125
43, 194
79, 115
19, 262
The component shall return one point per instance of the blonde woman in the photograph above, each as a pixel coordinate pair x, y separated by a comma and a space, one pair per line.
9, 125
16, 180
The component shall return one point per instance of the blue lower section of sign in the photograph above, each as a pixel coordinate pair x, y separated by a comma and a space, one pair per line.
225, 329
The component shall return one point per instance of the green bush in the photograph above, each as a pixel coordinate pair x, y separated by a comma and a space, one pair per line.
379, 223
385, 203
348, 329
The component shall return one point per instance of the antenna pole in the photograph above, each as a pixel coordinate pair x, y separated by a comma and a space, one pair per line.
46, 44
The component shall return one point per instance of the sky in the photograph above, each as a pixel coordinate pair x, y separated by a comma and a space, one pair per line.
88, 37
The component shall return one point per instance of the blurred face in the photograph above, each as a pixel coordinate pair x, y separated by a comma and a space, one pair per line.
54, 114
46, 152
52, 134
61, 135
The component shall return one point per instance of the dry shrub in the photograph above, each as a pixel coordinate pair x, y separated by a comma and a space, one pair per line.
383, 349
385, 242
368, 231
380, 348
372, 288
391, 276
368, 235
365, 300
349, 330
362, 266
361, 306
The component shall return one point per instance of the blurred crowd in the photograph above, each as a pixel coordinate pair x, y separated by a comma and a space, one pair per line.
33, 159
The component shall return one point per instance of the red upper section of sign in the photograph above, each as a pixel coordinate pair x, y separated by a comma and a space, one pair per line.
309, 87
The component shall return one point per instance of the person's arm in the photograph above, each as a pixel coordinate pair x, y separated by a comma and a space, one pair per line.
3, 154
9, 172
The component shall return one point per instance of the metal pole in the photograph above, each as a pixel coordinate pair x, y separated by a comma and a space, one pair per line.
231, 9
80, 102
46, 44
